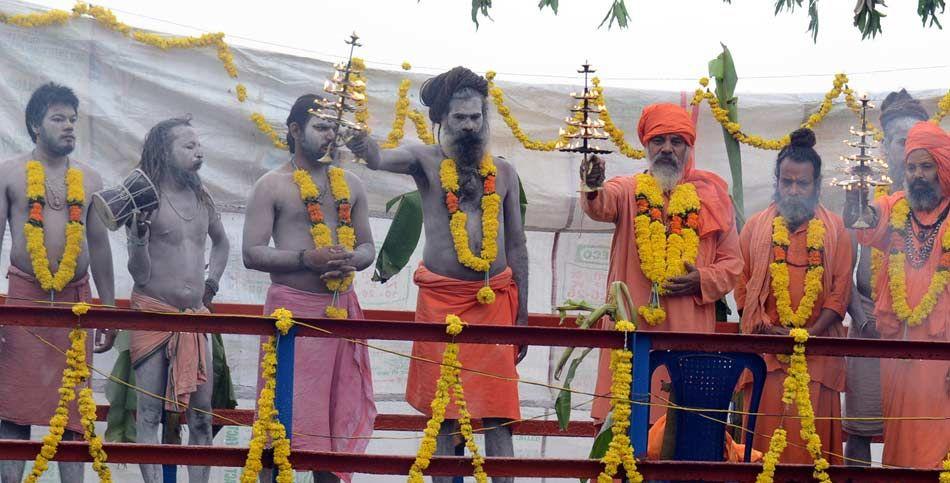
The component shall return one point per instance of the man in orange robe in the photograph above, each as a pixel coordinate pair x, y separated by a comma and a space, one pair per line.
798, 185
667, 132
458, 103
915, 387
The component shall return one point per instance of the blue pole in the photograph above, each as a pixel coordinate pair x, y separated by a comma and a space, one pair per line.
640, 344
284, 392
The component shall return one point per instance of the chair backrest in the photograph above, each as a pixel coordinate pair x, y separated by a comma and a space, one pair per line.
707, 380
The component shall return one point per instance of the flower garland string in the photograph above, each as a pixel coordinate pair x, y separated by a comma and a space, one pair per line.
897, 283
449, 380
320, 232
945, 474
491, 206
664, 250
34, 233
943, 108
877, 256
75, 374
267, 425
778, 269
616, 134
620, 450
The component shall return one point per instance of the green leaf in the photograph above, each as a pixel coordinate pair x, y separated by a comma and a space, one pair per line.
120, 421
522, 199
402, 238
618, 13
602, 441
562, 405
928, 9
723, 70
548, 3
480, 7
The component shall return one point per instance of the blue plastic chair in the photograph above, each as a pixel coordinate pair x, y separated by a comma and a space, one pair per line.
707, 380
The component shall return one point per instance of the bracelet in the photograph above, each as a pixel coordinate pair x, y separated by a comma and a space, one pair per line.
212, 285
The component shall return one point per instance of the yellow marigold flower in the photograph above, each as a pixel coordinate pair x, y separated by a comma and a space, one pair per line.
454, 324
625, 326
80, 308
485, 296
704, 81
406, 65
336, 312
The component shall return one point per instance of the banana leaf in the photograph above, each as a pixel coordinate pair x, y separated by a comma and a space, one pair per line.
562, 405
723, 70
402, 238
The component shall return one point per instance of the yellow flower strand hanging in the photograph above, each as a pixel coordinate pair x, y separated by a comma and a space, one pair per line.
620, 450
491, 207
449, 379
267, 425
75, 374
34, 232
664, 250
320, 232
897, 282
778, 269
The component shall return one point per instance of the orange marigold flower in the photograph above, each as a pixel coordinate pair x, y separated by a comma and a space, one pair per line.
36, 211
676, 224
75, 213
642, 205
814, 257
343, 211
451, 202
692, 220
655, 213
779, 253
489, 185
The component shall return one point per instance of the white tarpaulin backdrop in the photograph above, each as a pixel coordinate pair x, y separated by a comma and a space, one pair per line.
125, 87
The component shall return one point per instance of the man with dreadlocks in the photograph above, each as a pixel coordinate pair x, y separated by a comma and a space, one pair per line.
318, 217
31, 370
166, 261
899, 112
475, 261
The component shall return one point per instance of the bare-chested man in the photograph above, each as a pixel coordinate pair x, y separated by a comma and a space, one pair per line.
457, 103
166, 261
31, 371
333, 386
899, 112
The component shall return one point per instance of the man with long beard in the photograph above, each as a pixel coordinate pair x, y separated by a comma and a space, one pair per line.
797, 273
318, 217
899, 112
468, 196
167, 261
696, 243
912, 301
54, 266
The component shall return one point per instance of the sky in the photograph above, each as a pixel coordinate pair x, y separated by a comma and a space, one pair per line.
667, 45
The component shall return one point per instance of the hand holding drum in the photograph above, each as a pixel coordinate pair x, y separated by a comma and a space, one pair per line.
130, 203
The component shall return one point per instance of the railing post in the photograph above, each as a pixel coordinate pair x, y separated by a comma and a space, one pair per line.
640, 344
284, 392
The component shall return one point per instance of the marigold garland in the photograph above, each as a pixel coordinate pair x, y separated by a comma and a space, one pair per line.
265, 127
943, 107
777, 444
616, 134
897, 282
267, 425
399, 118
945, 474
34, 232
778, 269
41, 19
620, 450
663, 249
449, 379
345, 234
491, 207
877, 256
498, 98
75, 374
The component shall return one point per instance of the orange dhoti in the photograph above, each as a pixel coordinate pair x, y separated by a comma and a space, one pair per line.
31, 371
485, 397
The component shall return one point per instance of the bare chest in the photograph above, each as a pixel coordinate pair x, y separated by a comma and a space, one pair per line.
179, 220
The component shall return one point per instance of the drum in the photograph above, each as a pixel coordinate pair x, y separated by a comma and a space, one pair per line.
116, 205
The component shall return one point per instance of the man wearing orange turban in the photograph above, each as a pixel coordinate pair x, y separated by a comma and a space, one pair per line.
693, 261
912, 302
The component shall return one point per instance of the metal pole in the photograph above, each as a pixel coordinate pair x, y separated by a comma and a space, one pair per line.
640, 344
284, 392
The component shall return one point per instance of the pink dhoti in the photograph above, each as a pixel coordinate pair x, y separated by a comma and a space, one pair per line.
334, 408
187, 352
31, 371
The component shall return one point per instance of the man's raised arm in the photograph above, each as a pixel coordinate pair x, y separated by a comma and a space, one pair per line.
402, 160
